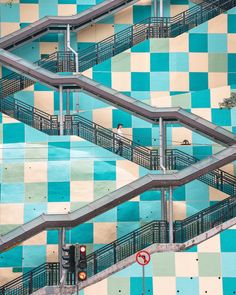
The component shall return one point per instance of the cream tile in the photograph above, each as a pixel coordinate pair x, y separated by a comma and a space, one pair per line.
211, 245
186, 264
44, 100
204, 113
11, 214
179, 134
82, 191
176, 9
48, 47
52, 253
29, 13
66, 10
104, 233
140, 62
216, 195
98, 288
58, 208
8, 28
179, 81
217, 79
179, 44
160, 101
36, 172
8, 275
213, 286
218, 24
164, 286
121, 81
231, 43
198, 62
218, 94
40, 239
103, 117
95, 33
125, 16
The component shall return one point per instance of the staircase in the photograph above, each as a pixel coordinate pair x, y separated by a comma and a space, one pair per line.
105, 138
155, 232
167, 27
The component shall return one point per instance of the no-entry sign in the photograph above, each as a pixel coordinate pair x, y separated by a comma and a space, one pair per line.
143, 257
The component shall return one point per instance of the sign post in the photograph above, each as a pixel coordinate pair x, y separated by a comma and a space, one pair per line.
143, 258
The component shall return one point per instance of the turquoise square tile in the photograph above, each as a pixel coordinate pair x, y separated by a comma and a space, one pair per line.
179, 62
140, 81
150, 211
151, 196
58, 171
142, 136
159, 81
136, 285
229, 286
196, 191
141, 12
221, 117
217, 43
104, 170
58, 150
12, 193
45, 9
124, 228
14, 132
33, 210
228, 262
103, 78
201, 152
52, 236
58, 191
128, 211
34, 255
186, 286
82, 234
231, 62
201, 99
159, 62
198, 81
109, 216
121, 117
12, 258
14, 153
9, 13
231, 23
198, 42
226, 238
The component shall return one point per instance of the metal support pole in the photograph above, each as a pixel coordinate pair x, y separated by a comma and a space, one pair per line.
61, 109
161, 9
61, 244
144, 289
162, 139
72, 50
68, 102
171, 235
155, 8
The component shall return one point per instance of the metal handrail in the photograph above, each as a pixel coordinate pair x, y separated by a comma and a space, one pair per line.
47, 274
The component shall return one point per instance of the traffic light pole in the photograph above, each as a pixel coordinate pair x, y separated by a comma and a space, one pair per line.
61, 245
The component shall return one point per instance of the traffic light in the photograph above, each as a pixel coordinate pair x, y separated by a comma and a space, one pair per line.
69, 258
82, 264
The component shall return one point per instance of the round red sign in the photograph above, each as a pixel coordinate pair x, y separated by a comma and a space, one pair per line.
143, 257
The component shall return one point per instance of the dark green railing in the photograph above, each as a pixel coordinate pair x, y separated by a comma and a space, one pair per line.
151, 233
109, 140
152, 27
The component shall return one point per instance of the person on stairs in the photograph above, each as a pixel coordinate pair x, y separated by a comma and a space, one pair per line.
118, 140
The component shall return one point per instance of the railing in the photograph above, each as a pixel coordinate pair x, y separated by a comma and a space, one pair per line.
151, 233
205, 220
105, 138
167, 27
219, 179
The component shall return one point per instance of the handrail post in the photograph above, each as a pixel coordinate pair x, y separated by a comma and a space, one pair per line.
114, 253
31, 283
61, 109
95, 264
171, 235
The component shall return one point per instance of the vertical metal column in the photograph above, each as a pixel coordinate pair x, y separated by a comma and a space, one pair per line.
161, 8
61, 244
68, 102
155, 8
61, 109
171, 234
162, 139
72, 50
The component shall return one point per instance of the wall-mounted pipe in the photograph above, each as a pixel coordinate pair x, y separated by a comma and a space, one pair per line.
161, 8
71, 49
155, 8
